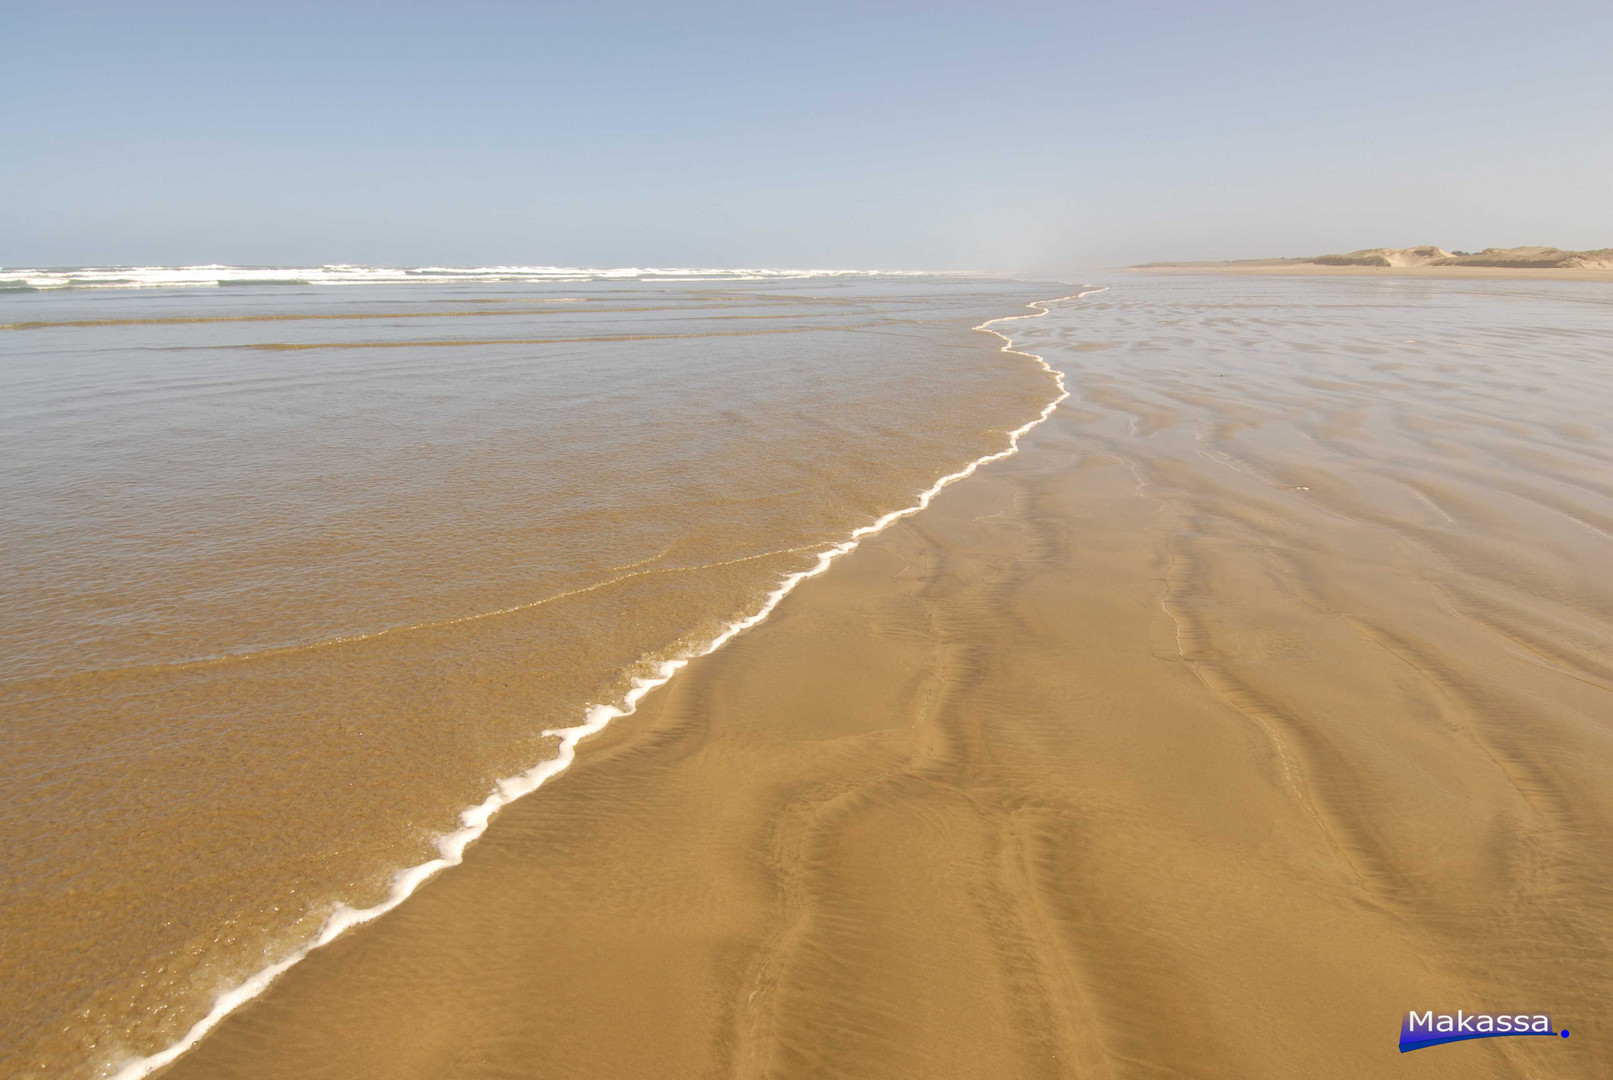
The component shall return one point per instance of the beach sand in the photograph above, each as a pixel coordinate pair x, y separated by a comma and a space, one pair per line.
1244, 710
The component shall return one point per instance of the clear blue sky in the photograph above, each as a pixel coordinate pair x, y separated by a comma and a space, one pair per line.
931, 135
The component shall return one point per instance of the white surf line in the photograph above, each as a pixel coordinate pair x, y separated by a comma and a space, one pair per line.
474, 821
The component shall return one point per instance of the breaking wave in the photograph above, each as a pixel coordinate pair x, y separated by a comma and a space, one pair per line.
212, 276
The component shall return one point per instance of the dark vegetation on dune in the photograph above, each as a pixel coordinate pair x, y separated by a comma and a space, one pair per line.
1517, 258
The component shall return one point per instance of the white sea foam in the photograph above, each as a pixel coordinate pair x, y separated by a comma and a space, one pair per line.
179, 277
473, 822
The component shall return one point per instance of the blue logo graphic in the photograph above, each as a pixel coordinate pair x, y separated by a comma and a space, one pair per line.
1421, 1029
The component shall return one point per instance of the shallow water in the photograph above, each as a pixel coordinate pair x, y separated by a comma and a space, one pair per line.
294, 573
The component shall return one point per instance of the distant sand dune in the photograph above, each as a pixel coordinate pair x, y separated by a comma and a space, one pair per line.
1424, 257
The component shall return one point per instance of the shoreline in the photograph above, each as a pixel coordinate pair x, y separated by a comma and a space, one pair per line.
1060, 776
475, 820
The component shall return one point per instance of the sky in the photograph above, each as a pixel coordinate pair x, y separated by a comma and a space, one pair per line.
1008, 137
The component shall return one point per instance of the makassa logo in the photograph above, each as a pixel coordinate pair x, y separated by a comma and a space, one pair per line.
1421, 1029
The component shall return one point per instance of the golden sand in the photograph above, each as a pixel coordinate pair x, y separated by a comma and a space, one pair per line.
1253, 704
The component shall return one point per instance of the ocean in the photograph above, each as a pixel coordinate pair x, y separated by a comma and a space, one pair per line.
305, 568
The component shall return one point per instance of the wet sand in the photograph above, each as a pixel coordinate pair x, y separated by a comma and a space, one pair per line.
1265, 695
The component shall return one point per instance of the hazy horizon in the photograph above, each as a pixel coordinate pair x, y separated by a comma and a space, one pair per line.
1029, 139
